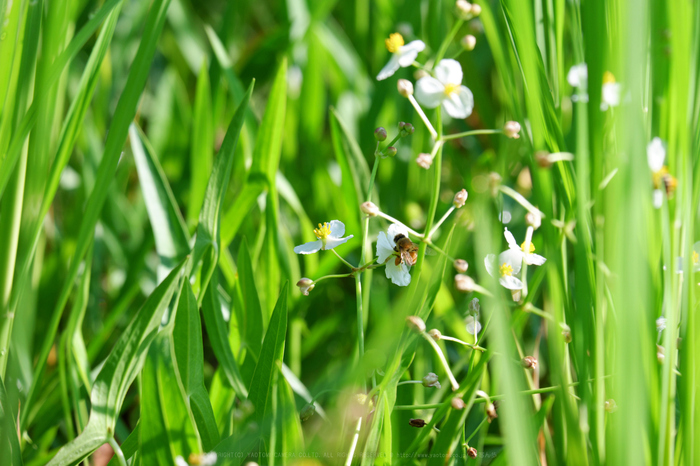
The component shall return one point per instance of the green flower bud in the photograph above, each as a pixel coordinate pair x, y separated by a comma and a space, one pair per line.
380, 134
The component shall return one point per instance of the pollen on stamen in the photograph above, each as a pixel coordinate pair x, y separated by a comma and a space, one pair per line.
323, 231
451, 88
394, 42
532, 247
506, 269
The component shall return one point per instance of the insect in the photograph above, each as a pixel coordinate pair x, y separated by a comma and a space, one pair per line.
408, 250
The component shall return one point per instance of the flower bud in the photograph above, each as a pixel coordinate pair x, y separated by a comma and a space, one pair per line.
533, 220
464, 283
417, 423
660, 324
660, 354
405, 87
369, 208
415, 323
476, 10
390, 151
435, 334
307, 411
529, 362
380, 134
406, 129
610, 406
511, 129
460, 198
460, 265
491, 412
474, 306
424, 160
542, 159
463, 9
468, 42
472, 453
431, 380
305, 285
457, 403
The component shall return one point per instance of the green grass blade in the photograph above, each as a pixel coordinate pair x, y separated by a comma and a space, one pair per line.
10, 453
201, 150
252, 317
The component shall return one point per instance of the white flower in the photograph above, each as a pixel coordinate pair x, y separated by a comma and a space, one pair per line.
509, 263
206, 459
578, 75
656, 155
446, 89
660, 324
473, 325
401, 55
528, 257
398, 274
611, 91
329, 236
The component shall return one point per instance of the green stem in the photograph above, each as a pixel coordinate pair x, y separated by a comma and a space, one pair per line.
457, 340
393, 220
440, 222
441, 356
476, 430
117, 451
342, 275
406, 382
353, 445
471, 133
360, 324
343, 260
423, 117
446, 42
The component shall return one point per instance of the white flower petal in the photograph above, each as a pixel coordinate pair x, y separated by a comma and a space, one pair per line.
309, 248
398, 274
180, 461
337, 228
490, 264
656, 154
510, 282
660, 324
390, 68
578, 74
408, 53
449, 71
429, 92
611, 94
459, 104
512, 257
510, 239
332, 242
658, 198
396, 229
473, 325
534, 259
384, 248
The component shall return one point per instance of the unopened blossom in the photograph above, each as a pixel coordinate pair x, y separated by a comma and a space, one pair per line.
329, 236
611, 91
472, 325
461, 265
512, 129
424, 160
533, 220
491, 411
463, 9
307, 411
528, 256
460, 198
661, 324
610, 406
390, 151
431, 380
415, 323
402, 54
457, 403
474, 307
468, 42
529, 362
446, 89
472, 453
397, 273
435, 334
305, 285
578, 75
380, 134
464, 283
405, 87
369, 208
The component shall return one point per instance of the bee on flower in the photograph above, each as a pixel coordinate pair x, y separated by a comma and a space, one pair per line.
395, 242
662, 179
446, 89
402, 54
330, 235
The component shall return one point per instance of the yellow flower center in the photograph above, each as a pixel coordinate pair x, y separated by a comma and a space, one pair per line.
696, 257
394, 42
506, 269
451, 88
532, 247
658, 177
608, 78
323, 231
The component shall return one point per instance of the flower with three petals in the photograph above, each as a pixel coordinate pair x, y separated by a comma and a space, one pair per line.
446, 89
329, 234
402, 54
398, 274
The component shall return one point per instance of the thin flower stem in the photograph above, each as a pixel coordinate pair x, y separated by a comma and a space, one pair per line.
471, 133
432, 246
343, 260
393, 220
406, 382
440, 222
529, 308
526, 249
441, 356
117, 451
446, 42
476, 430
353, 445
422, 116
342, 275
360, 323
457, 340
517, 197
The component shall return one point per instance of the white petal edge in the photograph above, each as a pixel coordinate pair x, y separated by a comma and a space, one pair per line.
512, 257
390, 68
460, 104
535, 259
408, 53
384, 248
309, 248
473, 325
489, 263
395, 229
180, 461
335, 242
656, 154
429, 92
398, 274
510, 239
449, 71
337, 228
511, 282
658, 198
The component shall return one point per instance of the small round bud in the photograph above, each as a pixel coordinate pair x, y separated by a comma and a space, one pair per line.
464, 283
405, 87
610, 406
407, 129
529, 362
472, 453
415, 323
390, 151
476, 10
307, 411
431, 380
660, 354
305, 285
491, 412
460, 265
460, 198
468, 42
463, 9
424, 160
369, 208
533, 220
474, 306
511, 129
567, 336
435, 334
417, 423
457, 403
542, 159
380, 134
